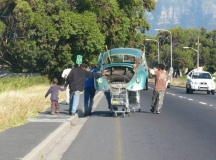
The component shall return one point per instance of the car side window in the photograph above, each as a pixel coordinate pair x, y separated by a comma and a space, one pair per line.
194, 76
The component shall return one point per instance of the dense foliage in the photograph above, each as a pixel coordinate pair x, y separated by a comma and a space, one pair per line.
184, 58
46, 35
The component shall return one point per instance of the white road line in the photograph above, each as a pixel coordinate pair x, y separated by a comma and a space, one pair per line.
173, 94
210, 105
181, 97
190, 99
202, 103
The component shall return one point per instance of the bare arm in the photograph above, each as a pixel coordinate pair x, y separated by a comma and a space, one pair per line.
152, 71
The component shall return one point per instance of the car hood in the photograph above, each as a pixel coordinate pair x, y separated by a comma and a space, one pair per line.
201, 80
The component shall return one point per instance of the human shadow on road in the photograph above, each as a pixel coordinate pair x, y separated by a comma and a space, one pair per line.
102, 114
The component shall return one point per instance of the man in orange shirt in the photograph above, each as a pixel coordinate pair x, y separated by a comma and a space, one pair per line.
161, 79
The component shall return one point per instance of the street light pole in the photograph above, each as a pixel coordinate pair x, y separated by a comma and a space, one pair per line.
197, 54
158, 48
171, 67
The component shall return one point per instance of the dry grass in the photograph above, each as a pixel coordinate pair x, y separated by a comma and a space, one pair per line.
179, 82
17, 106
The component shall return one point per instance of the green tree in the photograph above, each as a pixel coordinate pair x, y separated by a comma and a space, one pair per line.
44, 36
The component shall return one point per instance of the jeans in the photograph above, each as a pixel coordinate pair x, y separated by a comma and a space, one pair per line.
74, 101
108, 98
89, 98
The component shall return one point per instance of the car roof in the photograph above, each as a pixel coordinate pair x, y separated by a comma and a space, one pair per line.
128, 51
200, 72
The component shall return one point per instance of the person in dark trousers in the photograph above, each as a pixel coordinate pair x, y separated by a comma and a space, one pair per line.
108, 98
89, 92
54, 91
76, 80
161, 79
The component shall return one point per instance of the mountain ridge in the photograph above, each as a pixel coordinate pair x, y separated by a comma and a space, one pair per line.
185, 13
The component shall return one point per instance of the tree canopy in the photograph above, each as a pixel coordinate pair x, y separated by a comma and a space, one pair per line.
46, 35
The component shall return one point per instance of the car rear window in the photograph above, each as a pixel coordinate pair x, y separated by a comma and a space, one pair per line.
201, 76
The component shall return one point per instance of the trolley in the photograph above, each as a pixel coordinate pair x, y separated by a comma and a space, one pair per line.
124, 101
134, 101
119, 101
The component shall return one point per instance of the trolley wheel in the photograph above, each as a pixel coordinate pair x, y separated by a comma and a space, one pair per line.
115, 114
139, 110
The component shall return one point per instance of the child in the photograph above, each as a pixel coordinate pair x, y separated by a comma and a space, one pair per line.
54, 90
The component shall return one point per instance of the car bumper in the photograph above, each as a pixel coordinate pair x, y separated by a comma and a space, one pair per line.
200, 87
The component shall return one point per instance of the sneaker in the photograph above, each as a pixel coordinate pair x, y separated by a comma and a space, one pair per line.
73, 114
86, 114
52, 113
57, 112
152, 110
157, 112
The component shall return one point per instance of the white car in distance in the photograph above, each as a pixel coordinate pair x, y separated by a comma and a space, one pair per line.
200, 81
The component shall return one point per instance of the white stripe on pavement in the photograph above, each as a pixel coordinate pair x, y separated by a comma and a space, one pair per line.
202, 102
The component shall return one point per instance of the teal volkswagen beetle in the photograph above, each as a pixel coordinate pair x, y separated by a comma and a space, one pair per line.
127, 68
127, 74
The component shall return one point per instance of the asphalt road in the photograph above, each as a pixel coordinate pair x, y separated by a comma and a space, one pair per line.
185, 130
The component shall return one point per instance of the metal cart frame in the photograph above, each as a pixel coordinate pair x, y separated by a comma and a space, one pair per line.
121, 100
134, 98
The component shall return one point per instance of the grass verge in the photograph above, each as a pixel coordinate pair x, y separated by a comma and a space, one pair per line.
178, 82
17, 104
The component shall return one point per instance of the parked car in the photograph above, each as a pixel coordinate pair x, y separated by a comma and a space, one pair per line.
200, 81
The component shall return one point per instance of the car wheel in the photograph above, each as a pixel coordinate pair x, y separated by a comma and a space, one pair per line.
213, 92
208, 92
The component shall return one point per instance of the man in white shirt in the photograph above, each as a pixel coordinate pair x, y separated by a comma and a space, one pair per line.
65, 73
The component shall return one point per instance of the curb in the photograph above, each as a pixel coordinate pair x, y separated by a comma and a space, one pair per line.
39, 151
